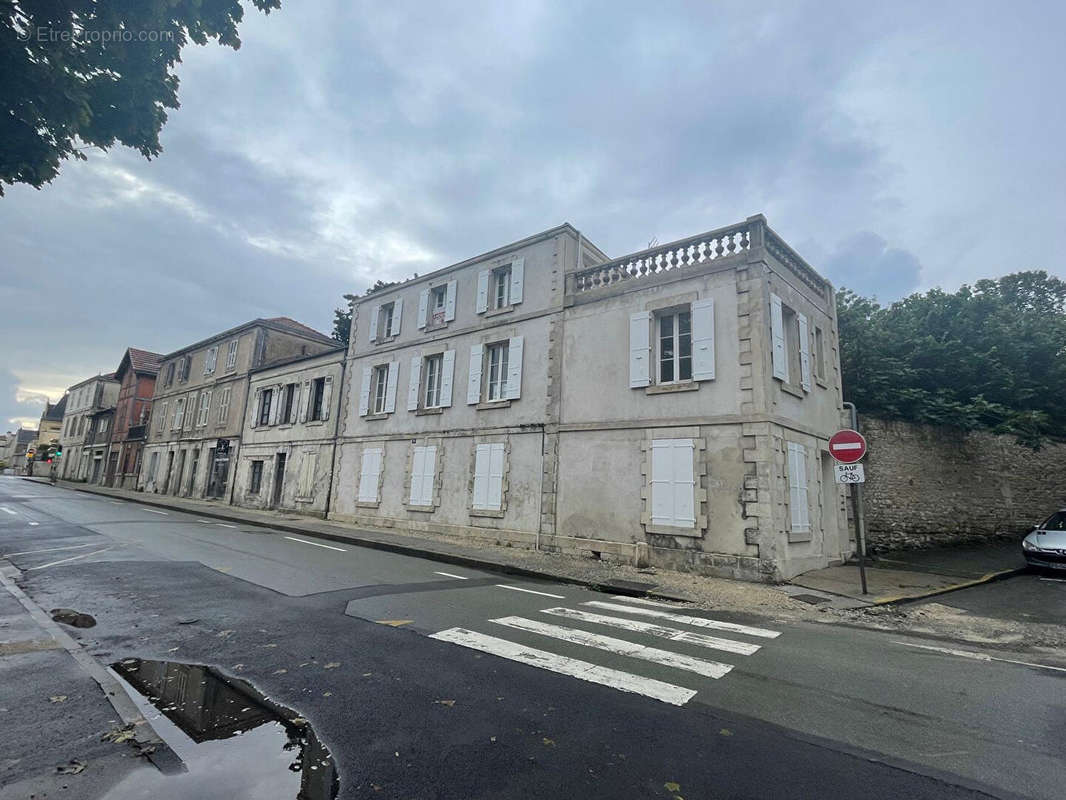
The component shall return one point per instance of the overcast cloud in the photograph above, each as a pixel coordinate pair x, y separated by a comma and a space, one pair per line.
896, 146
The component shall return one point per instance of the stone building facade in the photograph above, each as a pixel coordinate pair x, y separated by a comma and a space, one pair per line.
669, 407
136, 375
84, 400
289, 437
199, 404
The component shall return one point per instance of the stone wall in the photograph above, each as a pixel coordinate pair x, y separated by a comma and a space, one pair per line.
929, 485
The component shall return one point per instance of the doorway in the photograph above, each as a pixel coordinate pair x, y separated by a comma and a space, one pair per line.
180, 473
170, 469
279, 479
192, 472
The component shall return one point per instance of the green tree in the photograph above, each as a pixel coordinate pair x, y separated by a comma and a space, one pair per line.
991, 356
89, 73
342, 321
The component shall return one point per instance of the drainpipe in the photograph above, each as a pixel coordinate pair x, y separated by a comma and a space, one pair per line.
336, 432
857, 504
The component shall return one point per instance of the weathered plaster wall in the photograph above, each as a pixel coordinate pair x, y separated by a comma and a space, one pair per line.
929, 485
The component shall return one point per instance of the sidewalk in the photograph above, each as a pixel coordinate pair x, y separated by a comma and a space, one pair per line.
901, 576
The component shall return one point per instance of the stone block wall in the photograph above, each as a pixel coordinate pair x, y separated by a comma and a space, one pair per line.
929, 485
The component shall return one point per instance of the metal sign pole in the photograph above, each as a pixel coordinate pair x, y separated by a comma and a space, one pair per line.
857, 504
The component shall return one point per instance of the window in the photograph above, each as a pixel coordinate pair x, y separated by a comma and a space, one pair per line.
153, 463
288, 401
179, 413
184, 368
205, 408
306, 485
436, 305
103, 425
674, 341
438, 298
497, 374
385, 314
231, 354
369, 475
501, 287
434, 368
162, 416
488, 477
423, 475
790, 339
170, 374
210, 360
673, 484
255, 482
1056, 522
379, 387
819, 354
318, 396
223, 405
797, 488
266, 397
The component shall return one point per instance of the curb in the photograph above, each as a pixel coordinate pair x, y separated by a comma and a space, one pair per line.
455, 559
990, 577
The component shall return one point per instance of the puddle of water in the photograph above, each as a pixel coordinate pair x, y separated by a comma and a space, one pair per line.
234, 742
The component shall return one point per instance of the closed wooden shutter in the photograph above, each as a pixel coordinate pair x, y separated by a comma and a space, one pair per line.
449, 301
673, 485
364, 393
413, 385
305, 401
397, 317
805, 352
447, 378
473, 384
374, 322
369, 475
777, 337
513, 390
423, 307
639, 349
482, 291
703, 340
798, 501
518, 278
423, 475
390, 387
327, 397
482, 457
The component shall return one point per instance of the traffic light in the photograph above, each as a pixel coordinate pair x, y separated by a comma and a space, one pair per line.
59, 452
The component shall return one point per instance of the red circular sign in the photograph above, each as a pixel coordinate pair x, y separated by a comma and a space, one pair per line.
847, 446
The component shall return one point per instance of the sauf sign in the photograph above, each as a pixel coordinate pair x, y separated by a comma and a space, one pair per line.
848, 447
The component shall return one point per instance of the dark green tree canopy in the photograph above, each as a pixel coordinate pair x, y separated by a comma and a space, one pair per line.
991, 355
89, 73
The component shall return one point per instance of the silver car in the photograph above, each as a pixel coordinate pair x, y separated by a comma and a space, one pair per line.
1046, 545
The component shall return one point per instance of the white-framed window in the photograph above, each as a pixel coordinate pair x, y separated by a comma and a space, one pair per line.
179, 413
488, 477
319, 408
496, 378
790, 342
673, 340
501, 287
162, 416
673, 483
266, 400
210, 360
379, 387
305, 487
170, 373
385, 320
438, 298
255, 480
288, 404
798, 501
205, 409
231, 354
103, 425
370, 474
423, 475
433, 370
223, 405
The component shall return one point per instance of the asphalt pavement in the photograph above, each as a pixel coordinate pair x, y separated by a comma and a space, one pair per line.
430, 680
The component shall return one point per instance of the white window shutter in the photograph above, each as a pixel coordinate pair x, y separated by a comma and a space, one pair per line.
483, 291
446, 378
703, 340
369, 475
364, 393
496, 476
797, 480
673, 483
805, 353
327, 397
305, 401
374, 322
481, 475
275, 405
518, 275
390, 387
429, 475
473, 384
418, 459
397, 317
639, 349
513, 390
423, 308
412, 387
449, 301
777, 336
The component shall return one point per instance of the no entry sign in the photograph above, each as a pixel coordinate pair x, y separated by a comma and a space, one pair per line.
847, 446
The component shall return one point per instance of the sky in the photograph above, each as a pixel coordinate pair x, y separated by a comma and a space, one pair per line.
897, 146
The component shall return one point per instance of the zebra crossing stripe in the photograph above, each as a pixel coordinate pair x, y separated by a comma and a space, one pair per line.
650, 628
709, 669
616, 679
646, 602
684, 619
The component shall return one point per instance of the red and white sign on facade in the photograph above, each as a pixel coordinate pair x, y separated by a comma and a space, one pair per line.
847, 446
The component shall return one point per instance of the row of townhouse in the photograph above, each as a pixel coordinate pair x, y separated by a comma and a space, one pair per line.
669, 407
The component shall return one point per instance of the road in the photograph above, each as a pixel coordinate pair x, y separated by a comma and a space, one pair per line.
431, 681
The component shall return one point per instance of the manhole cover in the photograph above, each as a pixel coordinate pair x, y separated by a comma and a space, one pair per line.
813, 599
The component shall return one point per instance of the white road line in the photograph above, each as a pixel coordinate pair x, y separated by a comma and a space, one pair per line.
529, 591
709, 669
316, 544
7, 510
48, 550
225, 525
449, 575
978, 656
33, 524
582, 670
116, 502
645, 602
696, 622
206, 521
72, 558
650, 628
153, 511
1049, 580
